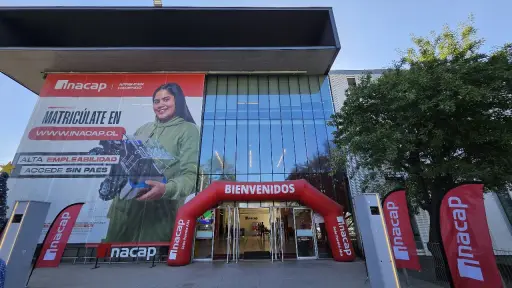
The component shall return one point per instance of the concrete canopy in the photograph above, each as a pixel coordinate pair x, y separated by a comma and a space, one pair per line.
39, 40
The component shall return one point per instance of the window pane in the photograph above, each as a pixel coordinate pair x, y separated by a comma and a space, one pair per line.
206, 146
253, 104
330, 136
316, 100
254, 178
222, 90
305, 98
277, 147
300, 144
242, 178
266, 177
325, 92
288, 146
322, 145
254, 146
284, 98
273, 86
264, 98
209, 102
230, 147
242, 153
218, 147
231, 98
278, 177
243, 97
265, 147
311, 148
295, 97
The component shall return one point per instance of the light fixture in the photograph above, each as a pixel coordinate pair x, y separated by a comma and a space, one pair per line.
157, 3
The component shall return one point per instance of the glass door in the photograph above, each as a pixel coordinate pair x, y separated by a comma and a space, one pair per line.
304, 233
276, 235
203, 243
236, 235
223, 235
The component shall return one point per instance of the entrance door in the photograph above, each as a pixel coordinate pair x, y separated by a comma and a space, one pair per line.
205, 233
276, 235
304, 233
224, 238
254, 233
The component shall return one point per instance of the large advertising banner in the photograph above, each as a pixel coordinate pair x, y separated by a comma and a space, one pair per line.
398, 224
126, 145
466, 239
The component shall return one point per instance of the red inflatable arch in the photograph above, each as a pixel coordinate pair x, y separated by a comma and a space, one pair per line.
180, 249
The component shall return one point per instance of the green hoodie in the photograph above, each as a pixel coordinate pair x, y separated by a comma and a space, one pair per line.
153, 220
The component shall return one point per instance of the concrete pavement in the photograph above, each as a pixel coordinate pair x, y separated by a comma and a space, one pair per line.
247, 274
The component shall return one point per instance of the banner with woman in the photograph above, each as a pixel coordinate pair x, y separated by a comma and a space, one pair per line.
126, 145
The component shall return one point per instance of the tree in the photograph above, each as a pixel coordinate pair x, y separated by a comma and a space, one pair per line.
5, 171
442, 115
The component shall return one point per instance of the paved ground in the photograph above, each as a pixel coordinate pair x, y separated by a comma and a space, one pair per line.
319, 273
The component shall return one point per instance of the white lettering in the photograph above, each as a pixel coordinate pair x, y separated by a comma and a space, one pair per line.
66, 85
259, 189
345, 249
397, 242
51, 253
173, 253
125, 252
465, 254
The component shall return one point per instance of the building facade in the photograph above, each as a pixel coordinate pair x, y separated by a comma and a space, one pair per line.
259, 101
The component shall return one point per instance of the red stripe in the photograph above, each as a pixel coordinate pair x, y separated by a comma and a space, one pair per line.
118, 85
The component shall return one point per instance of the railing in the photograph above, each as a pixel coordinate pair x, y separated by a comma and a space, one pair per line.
504, 261
434, 272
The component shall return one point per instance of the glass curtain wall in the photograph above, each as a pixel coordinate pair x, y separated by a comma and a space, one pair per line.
269, 128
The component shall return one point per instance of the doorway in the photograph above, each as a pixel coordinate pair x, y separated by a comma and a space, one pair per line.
305, 233
254, 234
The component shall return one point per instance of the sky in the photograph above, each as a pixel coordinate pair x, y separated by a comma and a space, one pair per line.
371, 32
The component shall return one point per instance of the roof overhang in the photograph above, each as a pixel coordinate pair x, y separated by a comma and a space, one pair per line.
36, 41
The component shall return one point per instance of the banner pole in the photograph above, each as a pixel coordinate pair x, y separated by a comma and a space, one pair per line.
406, 277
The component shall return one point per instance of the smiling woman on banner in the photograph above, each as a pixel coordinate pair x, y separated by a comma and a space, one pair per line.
149, 215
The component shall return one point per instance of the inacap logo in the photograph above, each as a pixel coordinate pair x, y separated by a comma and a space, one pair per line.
65, 85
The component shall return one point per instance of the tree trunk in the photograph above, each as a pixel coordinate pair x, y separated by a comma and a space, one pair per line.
435, 243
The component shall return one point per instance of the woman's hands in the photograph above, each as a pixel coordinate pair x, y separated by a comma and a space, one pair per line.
156, 191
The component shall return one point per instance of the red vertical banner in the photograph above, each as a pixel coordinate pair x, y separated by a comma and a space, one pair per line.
399, 229
57, 236
466, 239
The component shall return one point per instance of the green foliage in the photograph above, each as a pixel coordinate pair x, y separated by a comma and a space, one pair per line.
441, 116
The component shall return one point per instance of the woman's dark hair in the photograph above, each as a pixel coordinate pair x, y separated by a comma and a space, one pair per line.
179, 99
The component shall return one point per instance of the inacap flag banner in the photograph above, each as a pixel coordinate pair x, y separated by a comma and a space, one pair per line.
466, 239
126, 145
